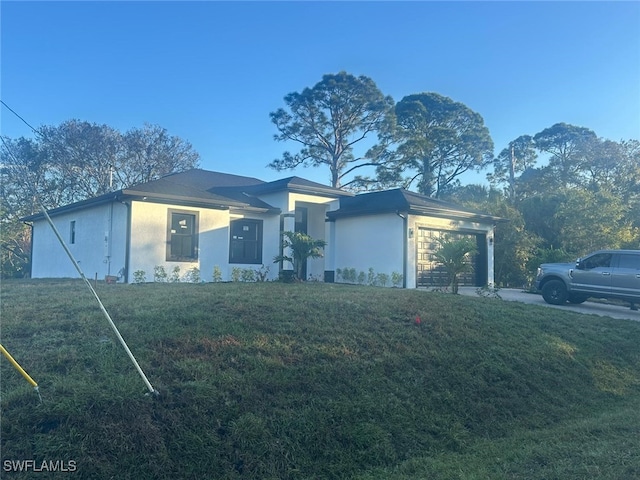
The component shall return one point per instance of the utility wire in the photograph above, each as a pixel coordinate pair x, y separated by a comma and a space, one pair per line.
24, 121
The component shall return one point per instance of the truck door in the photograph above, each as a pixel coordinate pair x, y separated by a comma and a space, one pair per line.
625, 277
593, 274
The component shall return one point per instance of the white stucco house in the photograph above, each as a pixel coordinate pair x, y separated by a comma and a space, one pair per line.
210, 220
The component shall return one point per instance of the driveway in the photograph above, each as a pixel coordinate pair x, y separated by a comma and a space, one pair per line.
589, 308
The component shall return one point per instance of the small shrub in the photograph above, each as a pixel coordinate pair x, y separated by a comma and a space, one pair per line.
382, 279
139, 276
262, 273
338, 274
396, 279
349, 275
236, 274
175, 274
192, 275
371, 277
159, 274
361, 278
248, 275
217, 274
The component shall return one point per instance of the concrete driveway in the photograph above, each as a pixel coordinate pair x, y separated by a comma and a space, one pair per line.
589, 308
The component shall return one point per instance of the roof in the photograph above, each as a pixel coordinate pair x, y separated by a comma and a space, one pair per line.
403, 201
204, 188
299, 185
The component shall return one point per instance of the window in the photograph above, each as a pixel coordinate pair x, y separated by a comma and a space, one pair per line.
245, 245
72, 232
598, 260
182, 236
629, 261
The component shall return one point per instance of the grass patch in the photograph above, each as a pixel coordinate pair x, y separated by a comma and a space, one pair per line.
298, 381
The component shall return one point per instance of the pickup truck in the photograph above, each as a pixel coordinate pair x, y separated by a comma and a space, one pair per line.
602, 274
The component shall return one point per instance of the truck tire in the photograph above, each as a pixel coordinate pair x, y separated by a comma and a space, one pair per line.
555, 292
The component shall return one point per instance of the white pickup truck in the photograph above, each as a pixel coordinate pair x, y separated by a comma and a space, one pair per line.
602, 274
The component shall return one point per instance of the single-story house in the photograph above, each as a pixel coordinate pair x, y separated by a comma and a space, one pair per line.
223, 222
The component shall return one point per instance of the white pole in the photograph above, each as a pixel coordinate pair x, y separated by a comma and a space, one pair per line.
104, 310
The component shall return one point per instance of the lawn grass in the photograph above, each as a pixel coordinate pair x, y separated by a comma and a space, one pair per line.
322, 381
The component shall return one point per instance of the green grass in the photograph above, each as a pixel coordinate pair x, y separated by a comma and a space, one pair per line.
316, 381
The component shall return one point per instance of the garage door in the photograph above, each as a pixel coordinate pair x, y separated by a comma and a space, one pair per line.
432, 274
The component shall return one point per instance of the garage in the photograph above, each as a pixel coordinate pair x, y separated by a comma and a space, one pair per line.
431, 274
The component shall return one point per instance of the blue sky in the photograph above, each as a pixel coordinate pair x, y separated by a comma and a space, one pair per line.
211, 72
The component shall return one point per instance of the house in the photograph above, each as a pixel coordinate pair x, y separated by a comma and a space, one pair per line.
212, 220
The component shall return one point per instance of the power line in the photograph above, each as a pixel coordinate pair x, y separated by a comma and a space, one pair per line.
16, 114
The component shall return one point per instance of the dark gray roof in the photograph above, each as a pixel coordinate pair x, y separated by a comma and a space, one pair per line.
204, 188
299, 185
403, 201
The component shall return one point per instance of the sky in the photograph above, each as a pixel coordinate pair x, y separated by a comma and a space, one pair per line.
211, 72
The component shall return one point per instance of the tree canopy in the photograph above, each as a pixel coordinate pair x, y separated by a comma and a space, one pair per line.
437, 140
328, 120
73, 161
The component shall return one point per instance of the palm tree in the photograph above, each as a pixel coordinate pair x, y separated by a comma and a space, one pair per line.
302, 247
454, 255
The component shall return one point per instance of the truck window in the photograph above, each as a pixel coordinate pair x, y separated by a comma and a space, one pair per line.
629, 261
598, 260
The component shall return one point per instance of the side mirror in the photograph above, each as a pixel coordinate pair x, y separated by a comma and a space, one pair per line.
579, 264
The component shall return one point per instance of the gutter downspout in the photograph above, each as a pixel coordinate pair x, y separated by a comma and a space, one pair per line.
405, 247
127, 248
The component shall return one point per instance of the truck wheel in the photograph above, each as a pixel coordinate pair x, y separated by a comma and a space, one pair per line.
554, 292
577, 298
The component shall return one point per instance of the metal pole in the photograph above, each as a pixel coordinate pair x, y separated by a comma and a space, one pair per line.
102, 308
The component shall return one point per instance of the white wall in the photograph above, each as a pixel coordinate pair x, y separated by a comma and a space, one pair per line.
371, 241
149, 241
99, 247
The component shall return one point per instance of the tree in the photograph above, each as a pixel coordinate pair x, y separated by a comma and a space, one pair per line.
518, 157
74, 161
593, 220
150, 152
437, 140
302, 247
568, 146
328, 120
514, 246
454, 255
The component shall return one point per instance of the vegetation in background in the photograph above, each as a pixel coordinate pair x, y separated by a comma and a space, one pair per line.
311, 380
563, 189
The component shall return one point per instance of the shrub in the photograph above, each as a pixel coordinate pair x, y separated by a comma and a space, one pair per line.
382, 279
159, 274
236, 274
371, 277
396, 279
248, 275
192, 275
175, 274
217, 274
262, 273
302, 247
139, 276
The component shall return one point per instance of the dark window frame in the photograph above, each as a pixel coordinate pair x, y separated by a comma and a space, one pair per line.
245, 245
72, 232
174, 237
